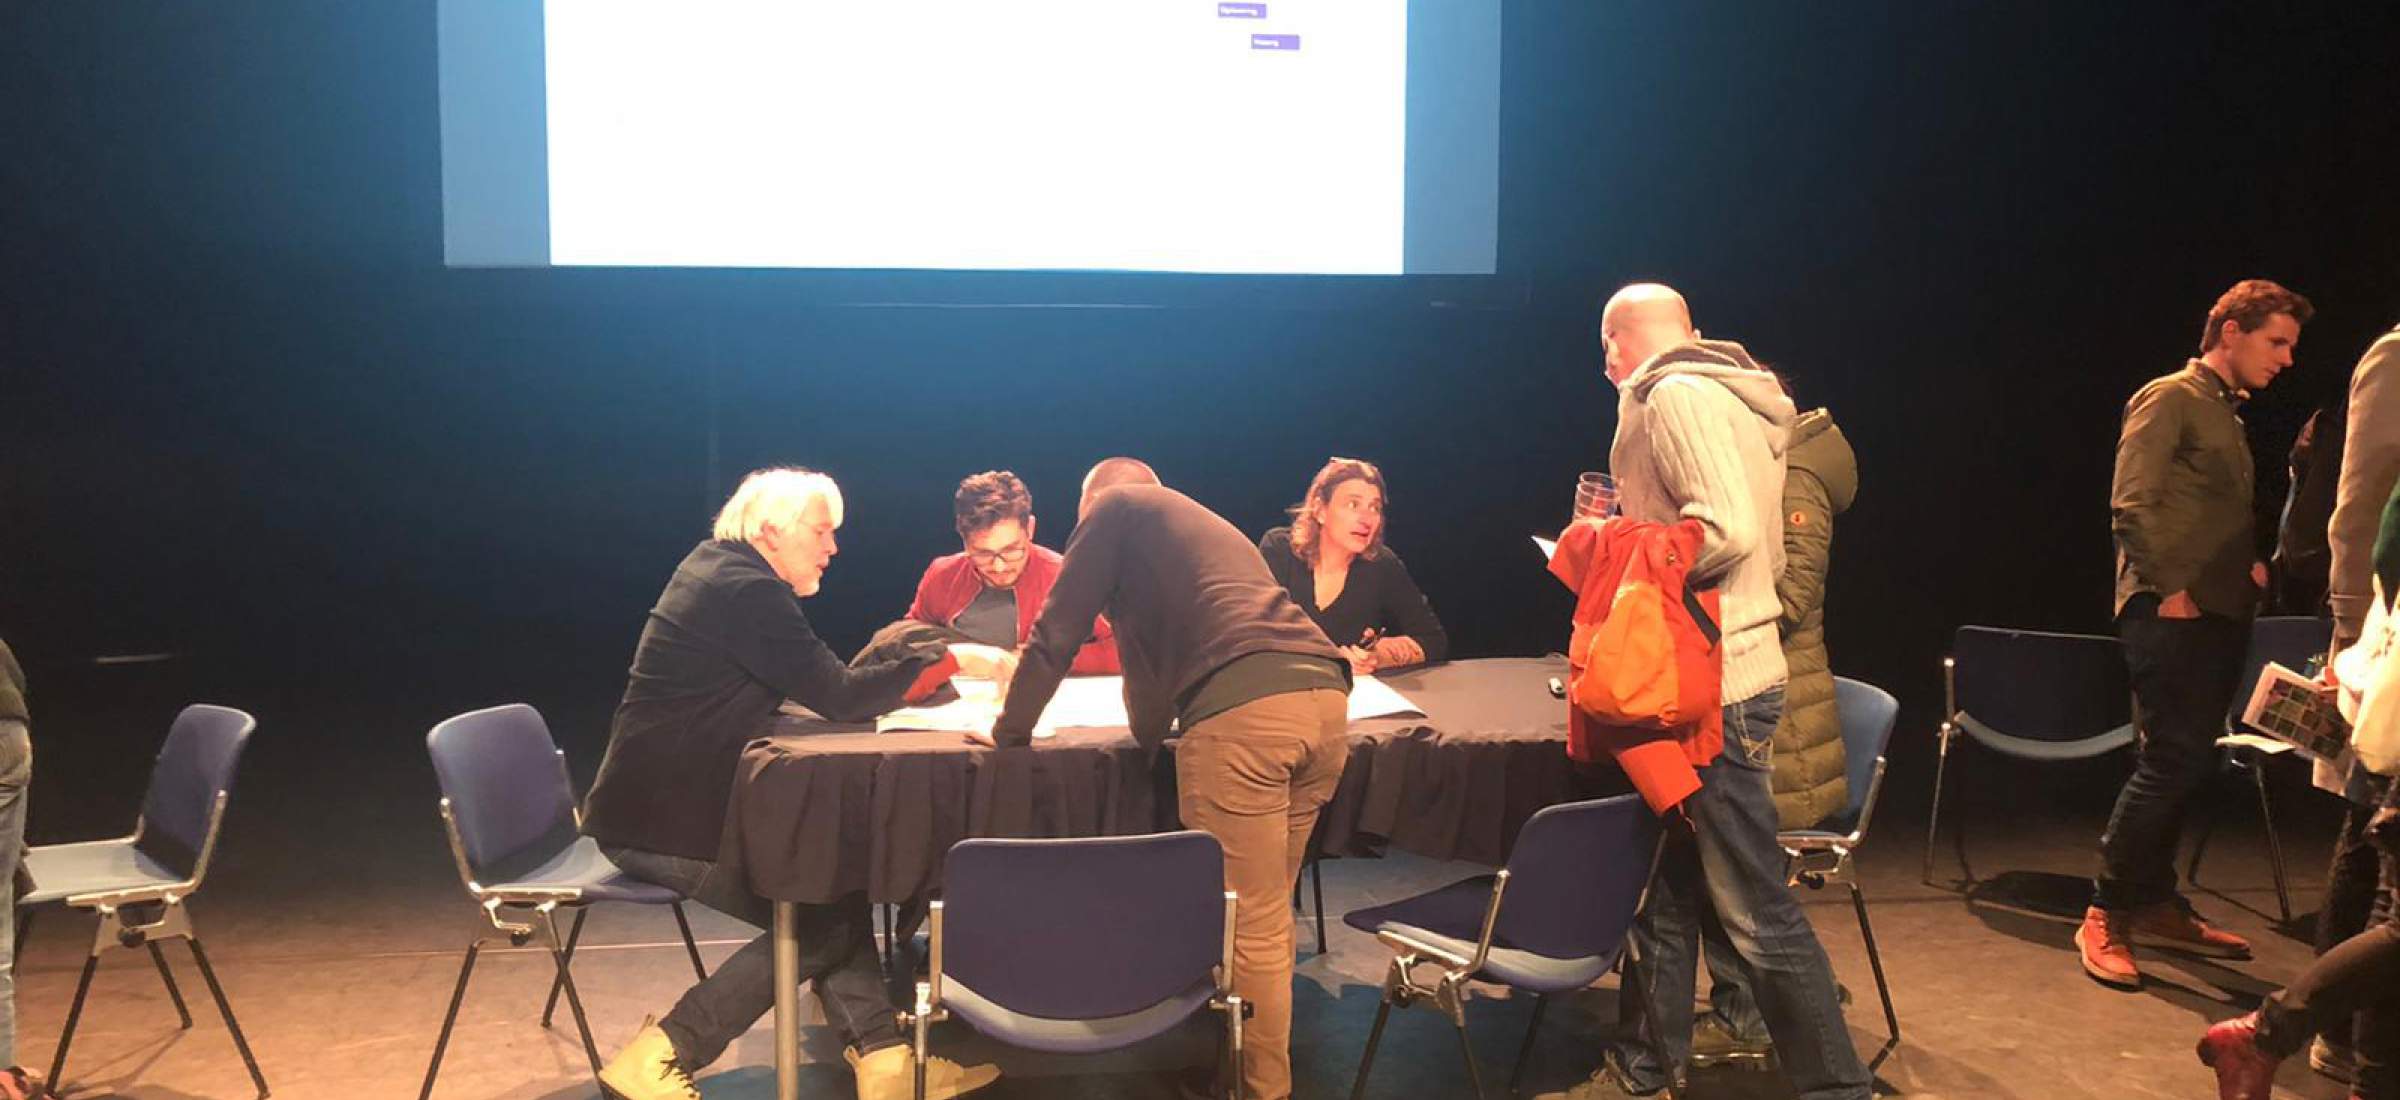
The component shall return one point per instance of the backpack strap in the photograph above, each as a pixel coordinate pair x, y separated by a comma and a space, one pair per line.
1700, 618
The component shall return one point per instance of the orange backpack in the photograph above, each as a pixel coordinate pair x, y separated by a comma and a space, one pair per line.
1645, 653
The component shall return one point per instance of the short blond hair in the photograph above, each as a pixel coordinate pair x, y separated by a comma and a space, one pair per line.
775, 498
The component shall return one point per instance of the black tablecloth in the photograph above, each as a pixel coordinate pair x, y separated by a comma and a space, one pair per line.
822, 811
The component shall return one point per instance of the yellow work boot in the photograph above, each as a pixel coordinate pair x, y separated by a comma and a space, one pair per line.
890, 1074
646, 1069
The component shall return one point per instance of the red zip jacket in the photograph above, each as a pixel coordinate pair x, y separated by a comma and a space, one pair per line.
951, 583
1662, 763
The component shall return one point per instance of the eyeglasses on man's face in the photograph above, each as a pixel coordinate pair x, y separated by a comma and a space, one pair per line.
1006, 555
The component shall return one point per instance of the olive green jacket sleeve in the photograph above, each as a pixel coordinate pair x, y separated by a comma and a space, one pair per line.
1807, 547
2138, 495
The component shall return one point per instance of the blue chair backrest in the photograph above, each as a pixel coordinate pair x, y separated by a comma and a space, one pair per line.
1868, 713
2288, 640
2041, 686
507, 786
1576, 876
203, 749
1083, 929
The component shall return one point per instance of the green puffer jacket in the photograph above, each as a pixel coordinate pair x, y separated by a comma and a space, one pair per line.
1821, 482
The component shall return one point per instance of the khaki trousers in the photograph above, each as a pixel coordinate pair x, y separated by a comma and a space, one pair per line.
1254, 777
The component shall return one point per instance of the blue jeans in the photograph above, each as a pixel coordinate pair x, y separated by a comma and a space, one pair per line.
1732, 863
16, 768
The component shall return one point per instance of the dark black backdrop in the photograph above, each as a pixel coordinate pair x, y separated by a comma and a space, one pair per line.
246, 415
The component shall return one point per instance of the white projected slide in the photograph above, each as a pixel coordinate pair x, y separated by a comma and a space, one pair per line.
1165, 135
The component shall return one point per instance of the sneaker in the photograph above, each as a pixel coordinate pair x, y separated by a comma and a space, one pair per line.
2173, 925
646, 1069
2337, 1062
2107, 953
891, 1074
1714, 1043
2244, 1072
1606, 1083
16, 1084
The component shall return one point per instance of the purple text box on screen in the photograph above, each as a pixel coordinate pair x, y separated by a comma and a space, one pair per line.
1274, 41
1241, 11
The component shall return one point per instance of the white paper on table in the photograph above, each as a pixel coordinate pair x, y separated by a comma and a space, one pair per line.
1372, 698
1090, 701
1548, 547
974, 711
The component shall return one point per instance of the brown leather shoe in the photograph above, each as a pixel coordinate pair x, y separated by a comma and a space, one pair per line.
2173, 925
2106, 948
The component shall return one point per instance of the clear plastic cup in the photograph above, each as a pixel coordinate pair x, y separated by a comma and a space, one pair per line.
1595, 495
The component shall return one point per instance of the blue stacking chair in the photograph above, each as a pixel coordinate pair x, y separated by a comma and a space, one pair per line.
154, 871
1822, 854
509, 808
1078, 946
1553, 921
2033, 696
2291, 641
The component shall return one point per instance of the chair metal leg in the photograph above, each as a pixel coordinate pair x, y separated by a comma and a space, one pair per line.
1933, 821
1235, 1017
2266, 811
1466, 1050
583, 1026
690, 946
1630, 970
168, 976
920, 1041
225, 1008
24, 930
66, 1035
1866, 931
1383, 1012
1516, 1075
574, 934
1316, 878
442, 1041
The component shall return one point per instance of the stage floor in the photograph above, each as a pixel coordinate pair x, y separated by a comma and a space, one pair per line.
337, 923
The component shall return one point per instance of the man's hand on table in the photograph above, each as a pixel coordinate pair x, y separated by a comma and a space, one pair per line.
984, 662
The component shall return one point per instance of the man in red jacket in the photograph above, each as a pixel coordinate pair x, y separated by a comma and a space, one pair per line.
992, 590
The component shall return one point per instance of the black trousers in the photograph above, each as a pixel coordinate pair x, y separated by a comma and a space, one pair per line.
2357, 983
2351, 882
2352, 991
2184, 673
837, 957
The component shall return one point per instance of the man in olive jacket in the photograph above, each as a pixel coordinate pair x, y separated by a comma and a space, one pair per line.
1811, 780
2188, 584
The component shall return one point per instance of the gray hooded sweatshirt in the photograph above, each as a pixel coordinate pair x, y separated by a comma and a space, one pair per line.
1701, 432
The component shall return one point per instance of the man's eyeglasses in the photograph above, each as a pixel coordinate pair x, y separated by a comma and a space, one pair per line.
1010, 556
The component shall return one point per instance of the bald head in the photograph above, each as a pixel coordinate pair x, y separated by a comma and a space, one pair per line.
1639, 322
1109, 473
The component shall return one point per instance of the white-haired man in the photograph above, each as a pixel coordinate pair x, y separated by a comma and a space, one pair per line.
726, 644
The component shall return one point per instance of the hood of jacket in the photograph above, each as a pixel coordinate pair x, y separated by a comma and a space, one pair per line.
1729, 365
1818, 447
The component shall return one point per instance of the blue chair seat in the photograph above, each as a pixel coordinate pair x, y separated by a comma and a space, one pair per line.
2030, 748
1072, 1036
1450, 918
582, 866
1522, 969
62, 871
